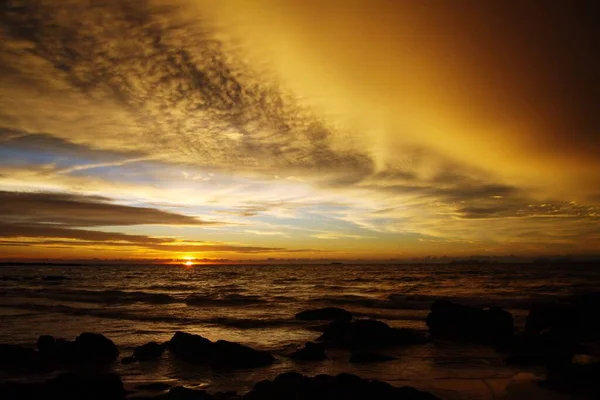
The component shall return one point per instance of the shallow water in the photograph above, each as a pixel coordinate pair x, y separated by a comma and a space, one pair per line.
255, 305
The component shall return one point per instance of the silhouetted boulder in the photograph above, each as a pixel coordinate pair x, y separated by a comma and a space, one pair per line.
235, 355
325, 314
574, 315
183, 393
362, 357
310, 352
94, 347
19, 358
154, 386
367, 332
458, 322
292, 385
575, 379
68, 386
128, 360
86, 348
148, 351
550, 348
193, 348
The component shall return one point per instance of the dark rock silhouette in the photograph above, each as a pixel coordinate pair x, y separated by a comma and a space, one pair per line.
86, 348
310, 352
68, 386
154, 386
550, 348
148, 351
574, 315
325, 314
195, 348
363, 357
128, 360
367, 332
292, 385
458, 322
579, 379
19, 358
235, 355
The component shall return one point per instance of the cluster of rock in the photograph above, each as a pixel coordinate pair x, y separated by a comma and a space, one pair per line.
553, 336
222, 353
87, 348
286, 386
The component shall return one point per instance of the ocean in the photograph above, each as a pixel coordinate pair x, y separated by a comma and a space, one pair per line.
255, 305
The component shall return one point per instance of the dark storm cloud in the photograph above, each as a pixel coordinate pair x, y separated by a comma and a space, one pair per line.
59, 209
45, 235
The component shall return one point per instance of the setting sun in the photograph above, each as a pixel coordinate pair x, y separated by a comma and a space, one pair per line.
188, 263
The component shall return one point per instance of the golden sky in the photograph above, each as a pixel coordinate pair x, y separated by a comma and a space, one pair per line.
298, 129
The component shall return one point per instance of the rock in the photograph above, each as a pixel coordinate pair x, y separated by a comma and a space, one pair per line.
458, 322
94, 347
357, 358
367, 332
235, 355
292, 385
68, 386
574, 315
550, 348
86, 348
575, 379
183, 393
325, 314
78, 386
154, 386
310, 352
193, 348
148, 351
18, 358
128, 360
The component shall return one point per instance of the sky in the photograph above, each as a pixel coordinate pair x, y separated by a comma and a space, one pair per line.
298, 129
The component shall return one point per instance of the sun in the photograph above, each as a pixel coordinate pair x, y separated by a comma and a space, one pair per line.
188, 263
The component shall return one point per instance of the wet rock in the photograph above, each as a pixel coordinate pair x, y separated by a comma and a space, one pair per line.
362, 357
574, 315
154, 386
19, 358
86, 348
458, 322
292, 385
325, 314
310, 352
550, 348
367, 332
575, 379
128, 360
94, 347
148, 351
193, 348
68, 387
235, 355
182, 393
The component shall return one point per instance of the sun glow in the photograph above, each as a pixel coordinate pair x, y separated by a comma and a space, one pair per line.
188, 263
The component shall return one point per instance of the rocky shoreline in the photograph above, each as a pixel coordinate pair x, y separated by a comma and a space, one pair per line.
562, 337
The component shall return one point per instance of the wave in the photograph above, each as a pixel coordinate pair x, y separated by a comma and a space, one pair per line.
224, 300
93, 296
240, 323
